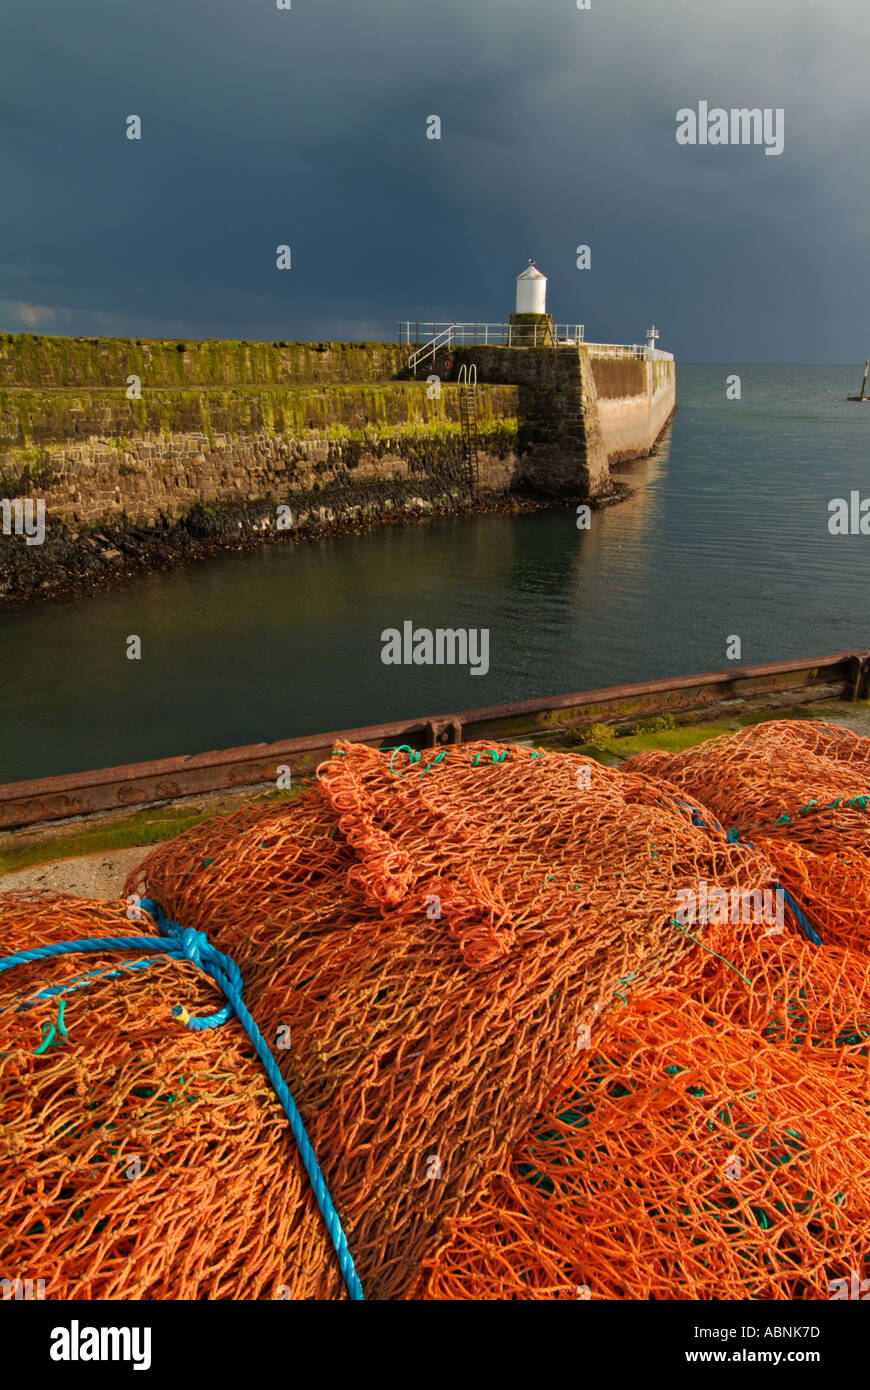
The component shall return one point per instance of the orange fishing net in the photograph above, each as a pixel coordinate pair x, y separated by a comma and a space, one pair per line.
800, 792
139, 1159
707, 1145
799, 780
521, 1075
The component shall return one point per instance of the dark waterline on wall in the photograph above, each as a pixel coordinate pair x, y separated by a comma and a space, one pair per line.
726, 535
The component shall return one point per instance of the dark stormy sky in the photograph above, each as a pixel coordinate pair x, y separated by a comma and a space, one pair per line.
307, 127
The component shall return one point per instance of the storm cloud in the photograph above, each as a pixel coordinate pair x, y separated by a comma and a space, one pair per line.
307, 127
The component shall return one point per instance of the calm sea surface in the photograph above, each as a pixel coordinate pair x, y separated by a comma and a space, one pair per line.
726, 534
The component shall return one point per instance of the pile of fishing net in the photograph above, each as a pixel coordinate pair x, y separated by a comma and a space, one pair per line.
523, 1075
800, 792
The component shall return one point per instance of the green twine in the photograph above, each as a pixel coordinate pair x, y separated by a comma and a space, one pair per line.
862, 802
49, 1035
413, 756
675, 923
433, 761
624, 981
494, 754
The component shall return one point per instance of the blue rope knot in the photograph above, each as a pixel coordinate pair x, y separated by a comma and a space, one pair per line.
192, 943
195, 946
184, 943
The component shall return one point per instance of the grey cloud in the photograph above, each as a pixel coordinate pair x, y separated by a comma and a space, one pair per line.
264, 126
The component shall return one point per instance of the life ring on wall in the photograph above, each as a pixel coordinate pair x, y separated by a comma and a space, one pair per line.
448, 361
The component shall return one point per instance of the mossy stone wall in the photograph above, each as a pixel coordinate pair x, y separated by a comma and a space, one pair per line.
96, 457
31, 361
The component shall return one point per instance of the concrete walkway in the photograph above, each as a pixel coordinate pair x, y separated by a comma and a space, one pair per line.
90, 876
103, 875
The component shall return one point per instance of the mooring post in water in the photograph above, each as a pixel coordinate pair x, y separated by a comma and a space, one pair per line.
862, 396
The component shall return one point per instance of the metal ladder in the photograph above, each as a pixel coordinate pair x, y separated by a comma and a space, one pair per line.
467, 382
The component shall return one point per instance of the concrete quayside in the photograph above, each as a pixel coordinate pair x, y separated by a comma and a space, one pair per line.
841, 677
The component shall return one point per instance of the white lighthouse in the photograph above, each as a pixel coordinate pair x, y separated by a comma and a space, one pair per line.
530, 324
531, 291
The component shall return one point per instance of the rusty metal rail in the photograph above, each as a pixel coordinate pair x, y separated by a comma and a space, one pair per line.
844, 676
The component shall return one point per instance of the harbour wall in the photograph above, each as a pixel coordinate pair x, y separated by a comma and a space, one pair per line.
578, 412
635, 402
96, 457
559, 437
207, 438
32, 360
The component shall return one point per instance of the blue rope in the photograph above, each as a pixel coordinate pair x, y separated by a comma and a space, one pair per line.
802, 921
733, 838
183, 943
81, 982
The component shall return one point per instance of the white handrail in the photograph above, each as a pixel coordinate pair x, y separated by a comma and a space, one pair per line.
502, 334
427, 331
443, 339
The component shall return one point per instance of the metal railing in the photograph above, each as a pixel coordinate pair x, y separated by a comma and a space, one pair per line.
428, 337
415, 332
638, 351
633, 350
443, 337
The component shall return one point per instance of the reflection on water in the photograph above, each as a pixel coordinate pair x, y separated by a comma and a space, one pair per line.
726, 534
